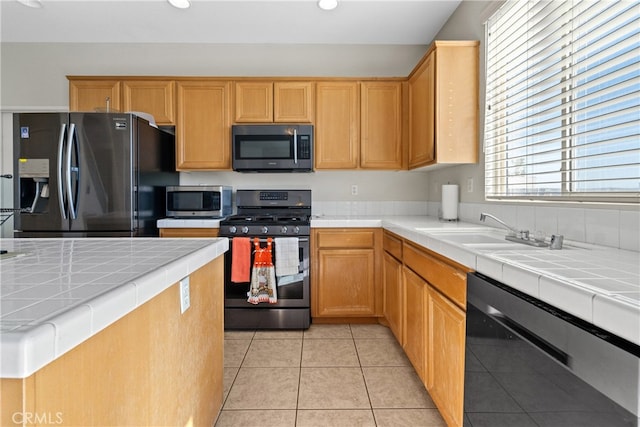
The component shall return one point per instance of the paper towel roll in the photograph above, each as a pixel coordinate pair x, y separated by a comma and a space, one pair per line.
450, 201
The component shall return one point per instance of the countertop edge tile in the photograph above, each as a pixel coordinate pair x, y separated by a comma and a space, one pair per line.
110, 307
616, 314
25, 352
573, 299
71, 328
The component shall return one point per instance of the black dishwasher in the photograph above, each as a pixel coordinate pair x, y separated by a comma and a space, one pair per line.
530, 364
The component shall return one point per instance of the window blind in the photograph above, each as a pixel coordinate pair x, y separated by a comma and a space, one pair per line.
563, 101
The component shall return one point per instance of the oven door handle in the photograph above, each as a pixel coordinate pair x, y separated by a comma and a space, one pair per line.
264, 240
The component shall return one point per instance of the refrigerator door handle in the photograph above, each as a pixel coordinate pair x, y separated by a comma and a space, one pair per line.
63, 209
70, 144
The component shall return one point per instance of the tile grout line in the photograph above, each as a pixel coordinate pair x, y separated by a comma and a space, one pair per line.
364, 380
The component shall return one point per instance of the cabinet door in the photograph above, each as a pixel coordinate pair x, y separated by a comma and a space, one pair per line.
393, 294
414, 322
94, 95
155, 97
456, 102
381, 125
254, 102
293, 102
347, 286
337, 125
203, 127
446, 352
421, 114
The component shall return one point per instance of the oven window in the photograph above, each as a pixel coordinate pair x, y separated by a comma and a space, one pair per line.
263, 147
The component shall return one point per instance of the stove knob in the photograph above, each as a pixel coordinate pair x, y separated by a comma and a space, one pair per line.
233, 229
265, 230
245, 229
296, 229
283, 230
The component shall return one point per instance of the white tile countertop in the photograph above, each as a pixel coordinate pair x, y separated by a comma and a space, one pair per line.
188, 223
57, 293
595, 283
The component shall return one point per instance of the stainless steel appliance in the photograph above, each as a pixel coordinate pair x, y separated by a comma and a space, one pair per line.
272, 148
529, 364
199, 201
265, 214
90, 174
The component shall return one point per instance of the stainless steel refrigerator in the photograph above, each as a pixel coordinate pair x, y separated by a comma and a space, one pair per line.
90, 174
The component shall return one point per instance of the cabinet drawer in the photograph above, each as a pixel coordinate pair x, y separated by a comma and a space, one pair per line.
345, 239
447, 279
392, 244
189, 232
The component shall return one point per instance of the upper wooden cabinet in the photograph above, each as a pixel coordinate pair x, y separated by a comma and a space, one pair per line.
358, 125
148, 95
337, 130
94, 95
268, 101
443, 105
381, 125
421, 114
203, 128
156, 97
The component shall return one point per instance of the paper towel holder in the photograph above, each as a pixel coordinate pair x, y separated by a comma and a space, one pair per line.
448, 211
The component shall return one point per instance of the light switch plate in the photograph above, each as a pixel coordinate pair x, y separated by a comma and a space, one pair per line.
185, 297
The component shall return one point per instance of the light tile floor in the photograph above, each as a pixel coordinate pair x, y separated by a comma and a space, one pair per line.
329, 375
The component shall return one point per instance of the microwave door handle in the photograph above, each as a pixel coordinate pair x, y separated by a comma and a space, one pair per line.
63, 209
295, 146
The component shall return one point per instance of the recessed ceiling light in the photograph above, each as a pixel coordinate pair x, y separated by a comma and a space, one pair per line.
180, 4
36, 4
327, 4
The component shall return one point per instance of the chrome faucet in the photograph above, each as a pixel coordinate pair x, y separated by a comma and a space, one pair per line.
515, 231
515, 235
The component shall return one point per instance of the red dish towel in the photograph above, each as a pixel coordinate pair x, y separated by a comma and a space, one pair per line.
240, 259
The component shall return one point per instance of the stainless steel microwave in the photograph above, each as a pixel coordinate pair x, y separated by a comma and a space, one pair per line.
199, 201
272, 148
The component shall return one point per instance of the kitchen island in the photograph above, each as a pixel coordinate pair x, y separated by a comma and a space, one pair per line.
111, 331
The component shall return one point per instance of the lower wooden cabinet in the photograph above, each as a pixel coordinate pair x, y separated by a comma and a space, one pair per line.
433, 292
393, 295
189, 232
415, 321
346, 273
446, 353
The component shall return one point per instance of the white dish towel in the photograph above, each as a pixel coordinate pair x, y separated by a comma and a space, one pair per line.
287, 259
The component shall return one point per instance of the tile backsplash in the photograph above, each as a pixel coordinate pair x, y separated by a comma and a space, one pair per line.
606, 227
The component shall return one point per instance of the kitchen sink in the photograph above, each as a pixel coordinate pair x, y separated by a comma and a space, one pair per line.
478, 239
465, 238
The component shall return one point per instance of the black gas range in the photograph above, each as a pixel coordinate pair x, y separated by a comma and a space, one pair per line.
272, 213
269, 219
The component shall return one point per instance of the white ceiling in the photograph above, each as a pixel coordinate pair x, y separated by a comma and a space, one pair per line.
414, 22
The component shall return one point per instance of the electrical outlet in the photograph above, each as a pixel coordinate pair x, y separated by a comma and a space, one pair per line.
185, 297
469, 185
354, 190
